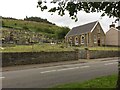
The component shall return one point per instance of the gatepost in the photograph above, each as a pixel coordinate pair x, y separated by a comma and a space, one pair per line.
88, 53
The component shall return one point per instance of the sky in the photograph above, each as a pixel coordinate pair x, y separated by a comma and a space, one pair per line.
21, 8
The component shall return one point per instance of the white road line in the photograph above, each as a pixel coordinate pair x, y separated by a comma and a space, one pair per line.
84, 66
110, 63
67, 69
48, 71
71, 65
57, 70
2, 77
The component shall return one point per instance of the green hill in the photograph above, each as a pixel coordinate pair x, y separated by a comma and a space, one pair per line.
36, 25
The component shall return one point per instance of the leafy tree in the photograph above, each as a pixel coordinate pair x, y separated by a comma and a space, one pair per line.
37, 19
112, 9
61, 33
107, 8
3, 23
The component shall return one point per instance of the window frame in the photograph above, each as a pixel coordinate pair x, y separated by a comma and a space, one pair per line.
95, 38
82, 39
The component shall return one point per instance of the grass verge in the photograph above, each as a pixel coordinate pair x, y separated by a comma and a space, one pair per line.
49, 47
101, 82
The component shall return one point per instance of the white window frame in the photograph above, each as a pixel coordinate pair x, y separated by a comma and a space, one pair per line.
70, 39
76, 41
99, 30
95, 38
82, 39
102, 40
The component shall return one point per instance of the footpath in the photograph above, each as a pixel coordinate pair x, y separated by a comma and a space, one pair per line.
22, 67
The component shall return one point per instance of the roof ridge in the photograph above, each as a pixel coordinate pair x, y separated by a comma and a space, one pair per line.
86, 24
82, 28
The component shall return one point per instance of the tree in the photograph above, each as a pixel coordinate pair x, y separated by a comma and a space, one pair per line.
112, 9
61, 33
74, 6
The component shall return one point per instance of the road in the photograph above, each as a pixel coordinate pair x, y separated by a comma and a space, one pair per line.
50, 76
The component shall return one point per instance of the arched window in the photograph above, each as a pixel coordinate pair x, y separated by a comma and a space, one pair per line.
76, 40
102, 39
70, 40
98, 29
95, 39
82, 39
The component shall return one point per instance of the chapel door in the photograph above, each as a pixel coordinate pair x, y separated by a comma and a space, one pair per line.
98, 42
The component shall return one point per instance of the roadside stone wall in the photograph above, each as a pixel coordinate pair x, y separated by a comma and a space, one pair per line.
22, 58
103, 54
94, 54
82, 54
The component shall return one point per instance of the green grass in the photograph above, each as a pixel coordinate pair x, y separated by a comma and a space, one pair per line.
100, 48
36, 48
49, 47
101, 82
105, 48
46, 29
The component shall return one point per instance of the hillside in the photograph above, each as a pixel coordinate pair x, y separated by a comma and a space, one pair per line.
47, 29
31, 30
38, 19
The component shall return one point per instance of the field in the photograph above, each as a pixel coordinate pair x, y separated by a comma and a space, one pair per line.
50, 47
101, 82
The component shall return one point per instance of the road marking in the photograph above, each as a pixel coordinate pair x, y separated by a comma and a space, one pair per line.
2, 77
110, 63
67, 69
57, 70
84, 66
48, 71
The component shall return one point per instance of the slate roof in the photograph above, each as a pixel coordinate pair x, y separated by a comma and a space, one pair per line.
82, 29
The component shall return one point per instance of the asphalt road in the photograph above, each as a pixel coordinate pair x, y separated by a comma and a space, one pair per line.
51, 76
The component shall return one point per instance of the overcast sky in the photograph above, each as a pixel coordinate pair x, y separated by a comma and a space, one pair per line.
21, 8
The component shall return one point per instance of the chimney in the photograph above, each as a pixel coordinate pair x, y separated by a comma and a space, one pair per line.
112, 25
118, 27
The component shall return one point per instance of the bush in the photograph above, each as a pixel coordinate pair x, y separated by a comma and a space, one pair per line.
25, 27
8, 45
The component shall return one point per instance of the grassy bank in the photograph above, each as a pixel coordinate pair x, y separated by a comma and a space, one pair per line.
102, 82
50, 47
36, 48
46, 29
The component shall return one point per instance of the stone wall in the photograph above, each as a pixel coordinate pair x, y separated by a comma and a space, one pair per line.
22, 58
103, 54
82, 54
94, 54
